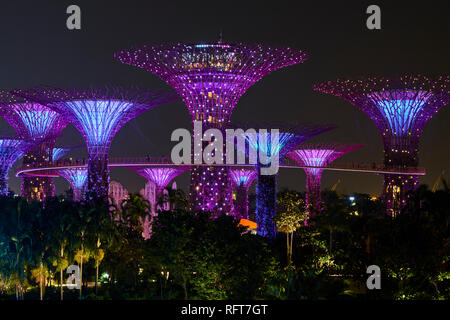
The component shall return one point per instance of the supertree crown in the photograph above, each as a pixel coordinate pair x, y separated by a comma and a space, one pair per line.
31, 120
77, 178
243, 176
400, 106
320, 155
10, 151
98, 113
160, 175
211, 77
290, 136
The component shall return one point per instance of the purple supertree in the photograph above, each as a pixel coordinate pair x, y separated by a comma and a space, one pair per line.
59, 152
98, 114
266, 188
160, 176
34, 122
77, 178
210, 78
316, 157
10, 151
400, 106
242, 179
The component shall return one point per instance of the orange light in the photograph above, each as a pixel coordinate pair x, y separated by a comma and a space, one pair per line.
247, 223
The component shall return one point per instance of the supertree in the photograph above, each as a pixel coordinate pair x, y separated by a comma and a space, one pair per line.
160, 175
77, 178
400, 106
210, 78
242, 179
315, 157
289, 137
59, 152
34, 122
10, 151
98, 114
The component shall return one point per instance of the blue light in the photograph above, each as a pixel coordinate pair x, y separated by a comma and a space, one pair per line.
99, 119
37, 119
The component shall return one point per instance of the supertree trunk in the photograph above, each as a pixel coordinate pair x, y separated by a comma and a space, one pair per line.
266, 202
98, 175
241, 204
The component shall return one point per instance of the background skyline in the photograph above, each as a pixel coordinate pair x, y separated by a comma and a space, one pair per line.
40, 50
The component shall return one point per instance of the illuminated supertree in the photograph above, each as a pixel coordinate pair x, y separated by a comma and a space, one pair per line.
242, 179
77, 178
58, 153
210, 78
317, 156
160, 176
400, 106
10, 151
289, 137
34, 122
98, 114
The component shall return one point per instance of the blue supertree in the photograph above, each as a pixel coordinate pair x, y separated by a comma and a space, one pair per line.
289, 137
10, 151
98, 114
77, 178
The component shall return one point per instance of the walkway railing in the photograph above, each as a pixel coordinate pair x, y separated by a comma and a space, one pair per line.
51, 168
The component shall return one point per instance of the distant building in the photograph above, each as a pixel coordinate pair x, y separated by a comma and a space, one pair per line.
118, 193
149, 194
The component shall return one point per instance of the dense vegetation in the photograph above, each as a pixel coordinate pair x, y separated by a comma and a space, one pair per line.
190, 256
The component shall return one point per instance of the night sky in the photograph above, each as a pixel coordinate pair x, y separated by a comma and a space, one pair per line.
38, 49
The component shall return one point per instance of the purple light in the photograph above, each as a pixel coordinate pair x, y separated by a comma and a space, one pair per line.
317, 155
400, 106
210, 78
243, 177
10, 151
160, 176
242, 180
98, 114
35, 122
77, 178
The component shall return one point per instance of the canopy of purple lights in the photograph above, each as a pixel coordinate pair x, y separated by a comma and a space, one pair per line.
98, 114
34, 122
400, 106
210, 78
316, 156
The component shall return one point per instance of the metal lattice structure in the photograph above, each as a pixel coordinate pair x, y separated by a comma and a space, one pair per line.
10, 151
33, 122
160, 176
210, 78
77, 178
290, 136
317, 156
98, 114
400, 106
242, 179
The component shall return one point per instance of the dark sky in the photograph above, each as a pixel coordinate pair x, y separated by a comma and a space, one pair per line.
37, 48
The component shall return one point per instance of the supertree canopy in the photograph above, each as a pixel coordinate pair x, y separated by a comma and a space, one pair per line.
315, 157
400, 106
160, 175
289, 137
10, 151
34, 122
210, 78
242, 179
77, 178
98, 114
